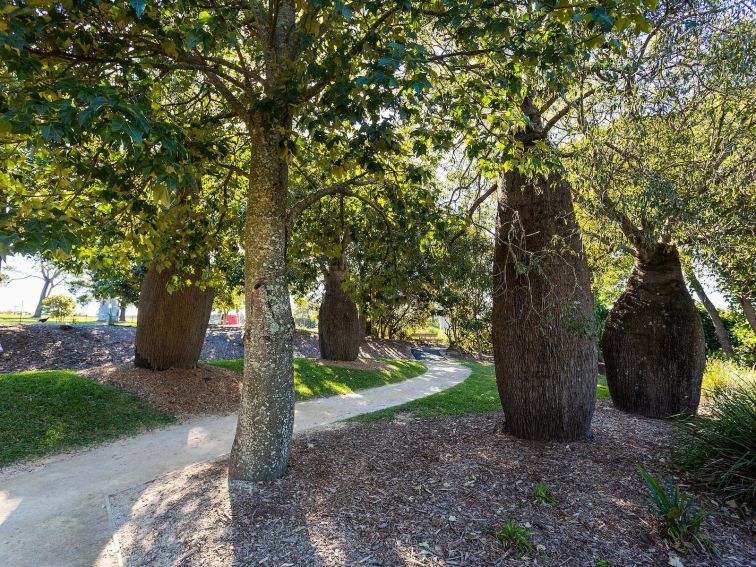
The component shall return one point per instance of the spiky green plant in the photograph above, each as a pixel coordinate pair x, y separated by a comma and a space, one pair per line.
513, 536
542, 493
681, 519
719, 449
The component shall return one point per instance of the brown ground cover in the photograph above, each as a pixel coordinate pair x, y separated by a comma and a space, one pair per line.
425, 492
180, 392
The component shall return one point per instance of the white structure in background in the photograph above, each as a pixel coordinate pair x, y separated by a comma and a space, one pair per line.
109, 310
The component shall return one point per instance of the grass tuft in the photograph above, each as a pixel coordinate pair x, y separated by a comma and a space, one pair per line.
516, 537
542, 493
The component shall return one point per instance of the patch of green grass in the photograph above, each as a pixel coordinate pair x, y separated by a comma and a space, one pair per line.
717, 448
721, 373
50, 411
14, 319
602, 390
313, 380
477, 394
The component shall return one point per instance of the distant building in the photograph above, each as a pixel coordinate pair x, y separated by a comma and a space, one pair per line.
109, 310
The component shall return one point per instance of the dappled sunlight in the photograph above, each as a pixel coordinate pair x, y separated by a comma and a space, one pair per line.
196, 436
328, 544
7, 506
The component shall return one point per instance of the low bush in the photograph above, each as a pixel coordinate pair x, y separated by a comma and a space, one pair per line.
719, 448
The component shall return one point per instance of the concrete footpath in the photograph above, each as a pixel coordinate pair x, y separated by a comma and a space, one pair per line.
53, 514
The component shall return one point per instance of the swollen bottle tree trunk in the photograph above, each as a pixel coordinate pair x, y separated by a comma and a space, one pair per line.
339, 327
266, 414
543, 335
653, 341
170, 326
719, 328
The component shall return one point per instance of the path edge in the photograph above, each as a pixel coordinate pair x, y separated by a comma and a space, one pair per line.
114, 533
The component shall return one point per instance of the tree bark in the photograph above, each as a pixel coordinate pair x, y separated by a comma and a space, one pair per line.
38, 310
339, 328
170, 326
543, 321
749, 312
653, 340
266, 415
719, 328
122, 314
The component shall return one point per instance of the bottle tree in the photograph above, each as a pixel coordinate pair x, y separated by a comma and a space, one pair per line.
107, 195
508, 118
341, 239
673, 143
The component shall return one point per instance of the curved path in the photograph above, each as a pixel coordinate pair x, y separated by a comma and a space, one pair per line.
53, 515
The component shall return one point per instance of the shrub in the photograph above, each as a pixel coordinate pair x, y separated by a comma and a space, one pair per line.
59, 305
513, 536
719, 449
681, 519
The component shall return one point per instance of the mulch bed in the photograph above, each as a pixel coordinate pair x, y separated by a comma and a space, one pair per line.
424, 492
50, 347
197, 391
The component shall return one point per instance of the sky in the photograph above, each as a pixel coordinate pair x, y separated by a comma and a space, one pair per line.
22, 292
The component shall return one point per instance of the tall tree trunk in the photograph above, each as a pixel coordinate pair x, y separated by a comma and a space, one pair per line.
170, 326
266, 415
122, 314
719, 328
45, 291
653, 340
543, 335
339, 328
749, 312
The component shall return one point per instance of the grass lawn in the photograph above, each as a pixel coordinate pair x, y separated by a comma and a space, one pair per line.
316, 380
50, 411
477, 394
14, 319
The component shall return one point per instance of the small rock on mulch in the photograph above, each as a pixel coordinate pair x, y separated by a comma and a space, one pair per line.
424, 492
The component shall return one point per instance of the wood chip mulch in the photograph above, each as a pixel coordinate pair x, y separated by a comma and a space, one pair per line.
425, 492
180, 392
